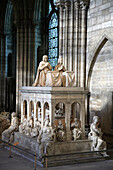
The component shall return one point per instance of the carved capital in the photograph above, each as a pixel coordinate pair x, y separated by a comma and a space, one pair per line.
76, 4
60, 3
83, 5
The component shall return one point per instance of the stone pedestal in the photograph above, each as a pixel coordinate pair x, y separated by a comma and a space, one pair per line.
47, 98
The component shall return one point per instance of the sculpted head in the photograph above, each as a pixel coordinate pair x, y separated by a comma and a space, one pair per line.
60, 60
45, 58
95, 119
14, 114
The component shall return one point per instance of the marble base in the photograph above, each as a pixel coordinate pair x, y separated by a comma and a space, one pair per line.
56, 147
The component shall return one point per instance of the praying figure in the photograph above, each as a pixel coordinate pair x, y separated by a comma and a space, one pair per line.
61, 68
42, 70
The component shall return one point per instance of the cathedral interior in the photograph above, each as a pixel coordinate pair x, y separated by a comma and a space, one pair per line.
80, 31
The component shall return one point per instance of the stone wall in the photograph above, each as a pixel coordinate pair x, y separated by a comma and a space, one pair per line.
99, 60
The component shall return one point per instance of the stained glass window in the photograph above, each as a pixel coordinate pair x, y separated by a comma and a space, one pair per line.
53, 37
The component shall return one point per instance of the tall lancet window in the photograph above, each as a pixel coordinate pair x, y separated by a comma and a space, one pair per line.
53, 34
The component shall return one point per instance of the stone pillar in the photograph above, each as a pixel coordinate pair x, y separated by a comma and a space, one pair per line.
25, 66
28, 110
82, 117
22, 110
76, 22
66, 32
42, 109
71, 38
34, 112
83, 45
67, 120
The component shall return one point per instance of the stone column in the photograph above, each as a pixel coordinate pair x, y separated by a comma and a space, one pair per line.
66, 32
25, 66
28, 110
42, 109
82, 117
22, 109
34, 112
83, 45
76, 21
67, 120
71, 38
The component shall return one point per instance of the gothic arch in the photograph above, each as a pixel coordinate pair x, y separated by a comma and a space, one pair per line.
8, 17
95, 53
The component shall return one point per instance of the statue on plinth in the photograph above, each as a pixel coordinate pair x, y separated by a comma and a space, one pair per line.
96, 136
7, 135
46, 135
42, 70
60, 132
77, 131
22, 125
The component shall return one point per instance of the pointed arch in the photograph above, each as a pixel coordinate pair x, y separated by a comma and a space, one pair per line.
8, 17
95, 53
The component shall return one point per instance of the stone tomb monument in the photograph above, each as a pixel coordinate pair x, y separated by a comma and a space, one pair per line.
53, 113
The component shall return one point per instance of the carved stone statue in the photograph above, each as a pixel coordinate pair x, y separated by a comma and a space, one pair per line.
77, 131
60, 132
7, 135
59, 109
46, 135
96, 136
23, 125
44, 66
29, 126
61, 68
36, 129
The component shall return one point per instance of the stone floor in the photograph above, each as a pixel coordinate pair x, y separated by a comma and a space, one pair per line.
19, 163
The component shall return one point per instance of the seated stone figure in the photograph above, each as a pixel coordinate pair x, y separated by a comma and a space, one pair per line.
23, 125
44, 66
46, 135
29, 126
60, 132
77, 131
36, 129
96, 136
7, 135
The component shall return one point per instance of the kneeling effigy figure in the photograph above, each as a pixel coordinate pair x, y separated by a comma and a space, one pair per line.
36, 129
29, 126
77, 131
96, 136
42, 70
23, 125
7, 135
46, 135
60, 132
